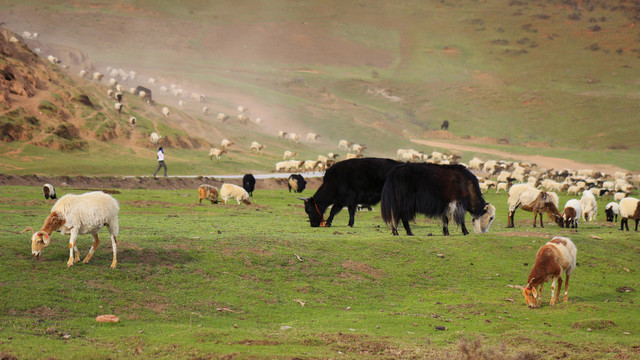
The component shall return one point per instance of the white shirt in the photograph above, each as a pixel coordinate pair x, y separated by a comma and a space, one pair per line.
160, 155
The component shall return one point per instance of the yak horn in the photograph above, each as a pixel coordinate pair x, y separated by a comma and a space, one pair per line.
27, 229
303, 199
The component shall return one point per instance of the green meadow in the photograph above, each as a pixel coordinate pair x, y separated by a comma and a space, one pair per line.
249, 282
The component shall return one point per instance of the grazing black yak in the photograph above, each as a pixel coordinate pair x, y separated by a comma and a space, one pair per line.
249, 183
446, 191
348, 183
297, 183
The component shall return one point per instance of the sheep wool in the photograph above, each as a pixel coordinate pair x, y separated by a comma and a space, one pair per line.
234, 191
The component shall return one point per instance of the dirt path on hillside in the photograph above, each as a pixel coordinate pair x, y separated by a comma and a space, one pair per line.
541, 161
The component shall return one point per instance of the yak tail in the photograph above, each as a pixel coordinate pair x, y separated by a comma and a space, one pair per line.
388, 204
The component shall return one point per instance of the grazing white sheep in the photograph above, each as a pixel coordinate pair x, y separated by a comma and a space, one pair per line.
205, 110
78, 215
256, 146
553, 258
54, 60
228, 191
294, 137
619, 196
243, 118
289, 155
154, 138
112, 82
132, 121
217, 152
282, 134
310, 165
572, 213
118, 106
97, 76
408, 155
48, 191
589, 206
612, 210
242, 109
475, 164
358, 148
225, 143
165, 110
629, 209
83, 73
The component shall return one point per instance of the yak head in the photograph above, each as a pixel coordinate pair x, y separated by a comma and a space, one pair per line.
39, 241
530, 295
482, 223
311, 208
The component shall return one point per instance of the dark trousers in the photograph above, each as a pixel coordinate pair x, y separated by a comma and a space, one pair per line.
161, 164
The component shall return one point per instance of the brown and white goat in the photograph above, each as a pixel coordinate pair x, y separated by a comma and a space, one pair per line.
531, 199
553, 258
78, 215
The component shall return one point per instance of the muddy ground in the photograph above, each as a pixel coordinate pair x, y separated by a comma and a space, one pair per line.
115, 182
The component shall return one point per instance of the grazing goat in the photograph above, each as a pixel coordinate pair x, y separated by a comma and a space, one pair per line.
534, 200
208, 192
79, 215
571, 213
217, 152
612, 210
48, 191
629, 209
553, 258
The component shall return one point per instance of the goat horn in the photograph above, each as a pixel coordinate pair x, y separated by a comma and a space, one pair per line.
27, 229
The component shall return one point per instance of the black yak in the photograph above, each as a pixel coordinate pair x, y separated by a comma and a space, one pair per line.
446, 191
249, 183
348, 183
297, 183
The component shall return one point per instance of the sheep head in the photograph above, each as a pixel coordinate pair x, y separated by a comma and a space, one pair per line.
39, 241
530, 295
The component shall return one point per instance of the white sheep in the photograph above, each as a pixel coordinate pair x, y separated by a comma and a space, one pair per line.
612, 210
256, 146
312, 137
223, 117
181, 103
54, 60
83, 73
281, 166
310, 165
234, 191
289, 155
78, 215
282, 134
629, 209
294, 137
118, 106
572, 213
475, 164
132, 121
243, 118
358, 148
97, 76
48, 191
258, 121
154, 138
344, 144
217, 152
205, 110
589, 206
165, 110
619, 196
225, 143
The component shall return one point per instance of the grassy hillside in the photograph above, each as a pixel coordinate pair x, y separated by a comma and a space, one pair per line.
532, 73
253, 282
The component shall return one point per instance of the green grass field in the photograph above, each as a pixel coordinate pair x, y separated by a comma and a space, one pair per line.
245, 282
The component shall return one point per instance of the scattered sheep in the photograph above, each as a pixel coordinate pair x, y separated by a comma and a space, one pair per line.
97, 76
208, 192
553, 258
589, 206
79, 215
234, 191
154, 138
294, 137
571, 213
217, 152
225, 143
132, 121
312, 137
344, 144
289, 155
257, 147
165, 111
534, 200
612, 210
223, 117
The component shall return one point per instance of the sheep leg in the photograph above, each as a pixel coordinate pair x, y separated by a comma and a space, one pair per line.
535, 218
114, 246
558, 289
541, 220
637, 220
554, 283
510, 219
566, 288
94, 247
539, 297
72, 247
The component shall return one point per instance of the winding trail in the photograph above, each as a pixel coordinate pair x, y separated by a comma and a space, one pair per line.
541, 161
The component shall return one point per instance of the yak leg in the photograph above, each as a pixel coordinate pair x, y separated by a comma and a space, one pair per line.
334, 210
352, 214
566, 288
407, 228
445, 226
464, 228
94, 247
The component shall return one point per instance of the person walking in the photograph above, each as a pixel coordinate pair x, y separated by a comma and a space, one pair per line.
161, 163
